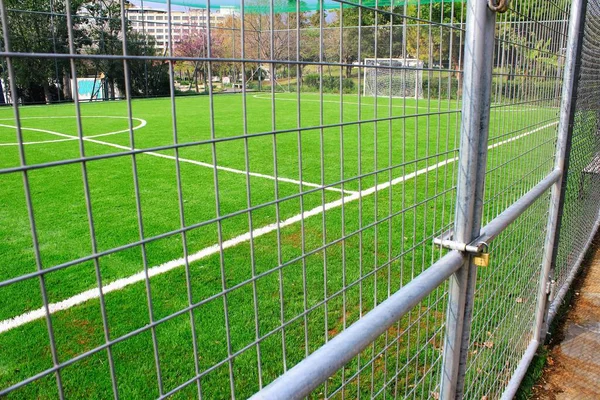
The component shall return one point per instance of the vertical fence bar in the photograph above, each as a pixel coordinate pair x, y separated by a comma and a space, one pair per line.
563, 146
477, 83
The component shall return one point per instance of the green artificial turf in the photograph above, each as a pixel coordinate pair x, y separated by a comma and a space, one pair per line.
387, 236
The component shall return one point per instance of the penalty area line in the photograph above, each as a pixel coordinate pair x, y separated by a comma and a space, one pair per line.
91, 294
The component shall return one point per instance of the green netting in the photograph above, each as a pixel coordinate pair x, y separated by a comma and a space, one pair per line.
284, 6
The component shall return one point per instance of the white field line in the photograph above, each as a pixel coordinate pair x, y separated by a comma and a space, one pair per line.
264, 97
383, 104
119, 284
186, 160
69, 137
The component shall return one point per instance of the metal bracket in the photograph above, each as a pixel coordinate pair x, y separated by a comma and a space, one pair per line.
446, 241
551, 290
478, 248
499, 6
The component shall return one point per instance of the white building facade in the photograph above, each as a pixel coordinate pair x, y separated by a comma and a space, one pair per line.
154, 23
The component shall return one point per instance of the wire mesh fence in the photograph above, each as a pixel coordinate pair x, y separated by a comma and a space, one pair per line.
582, 191
245, 230
207, 199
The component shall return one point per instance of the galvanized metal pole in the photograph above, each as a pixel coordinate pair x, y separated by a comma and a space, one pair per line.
563, 146
477, 82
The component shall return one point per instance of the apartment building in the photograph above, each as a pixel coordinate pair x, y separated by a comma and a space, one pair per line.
154, 22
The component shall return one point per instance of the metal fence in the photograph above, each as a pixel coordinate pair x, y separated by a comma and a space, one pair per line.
283, 235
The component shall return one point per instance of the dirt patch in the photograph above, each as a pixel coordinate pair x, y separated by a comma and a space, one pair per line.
573, 365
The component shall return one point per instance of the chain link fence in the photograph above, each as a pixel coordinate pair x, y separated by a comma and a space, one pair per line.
581, 198
206, 202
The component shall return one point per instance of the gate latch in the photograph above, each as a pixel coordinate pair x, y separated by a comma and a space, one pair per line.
478, 248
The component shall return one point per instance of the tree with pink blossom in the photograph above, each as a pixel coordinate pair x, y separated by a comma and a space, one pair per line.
195, 45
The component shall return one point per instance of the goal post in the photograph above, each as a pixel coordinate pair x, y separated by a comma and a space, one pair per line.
393, 77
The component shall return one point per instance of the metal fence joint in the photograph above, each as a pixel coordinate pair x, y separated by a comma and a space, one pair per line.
477, 248
499, 6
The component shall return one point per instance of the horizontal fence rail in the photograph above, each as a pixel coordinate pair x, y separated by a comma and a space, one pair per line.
318, 199
301, 380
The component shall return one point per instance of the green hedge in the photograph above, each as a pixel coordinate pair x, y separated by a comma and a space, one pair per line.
440, 88
331, 84
529, 88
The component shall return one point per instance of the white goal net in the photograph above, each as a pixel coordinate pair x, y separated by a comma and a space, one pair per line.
393, 77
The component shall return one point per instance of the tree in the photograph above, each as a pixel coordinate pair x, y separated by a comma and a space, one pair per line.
40, 79
195, 45
411, 36
104, 28
308, 48
40, 26
228, 36
359, 33
147, 78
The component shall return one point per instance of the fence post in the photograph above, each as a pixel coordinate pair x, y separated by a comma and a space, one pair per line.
561, 163
477, 82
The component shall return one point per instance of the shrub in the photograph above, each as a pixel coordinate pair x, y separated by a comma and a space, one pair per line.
440, 88
331, 84
530, 88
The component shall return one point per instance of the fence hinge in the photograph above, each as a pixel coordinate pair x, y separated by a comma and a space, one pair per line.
551, 290
499, 6
479, 249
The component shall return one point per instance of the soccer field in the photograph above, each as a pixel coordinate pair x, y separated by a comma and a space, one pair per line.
297, 214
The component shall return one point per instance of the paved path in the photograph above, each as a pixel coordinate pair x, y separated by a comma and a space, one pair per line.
574, 364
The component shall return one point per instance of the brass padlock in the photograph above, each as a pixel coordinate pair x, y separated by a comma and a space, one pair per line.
482, 259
